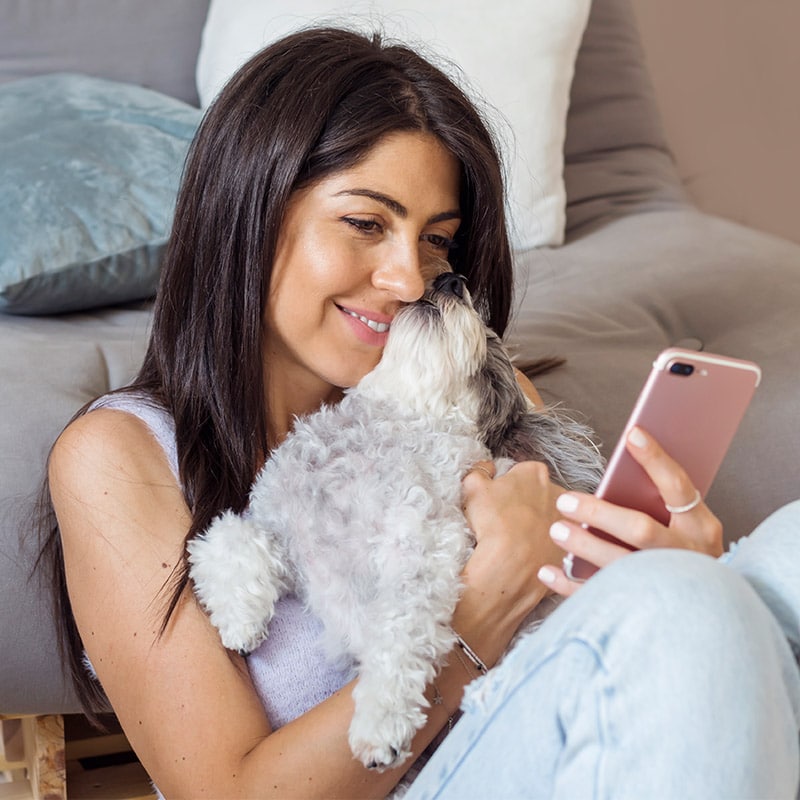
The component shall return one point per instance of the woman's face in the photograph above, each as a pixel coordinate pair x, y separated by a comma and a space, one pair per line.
353, 249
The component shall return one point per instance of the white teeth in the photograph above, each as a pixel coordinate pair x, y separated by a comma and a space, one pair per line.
379, 327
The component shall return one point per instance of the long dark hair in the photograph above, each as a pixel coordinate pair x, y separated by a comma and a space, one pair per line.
312, 104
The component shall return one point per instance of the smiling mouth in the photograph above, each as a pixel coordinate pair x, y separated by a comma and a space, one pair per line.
378, 327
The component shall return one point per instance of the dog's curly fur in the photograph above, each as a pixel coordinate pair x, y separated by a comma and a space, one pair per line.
359, 511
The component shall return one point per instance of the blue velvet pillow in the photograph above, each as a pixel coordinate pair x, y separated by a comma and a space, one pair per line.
89, 171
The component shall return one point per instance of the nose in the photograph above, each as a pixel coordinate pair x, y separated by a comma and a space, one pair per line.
450, 283
401, 276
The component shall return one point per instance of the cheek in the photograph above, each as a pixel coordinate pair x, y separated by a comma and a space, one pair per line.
292, 317
296, 287
312, 270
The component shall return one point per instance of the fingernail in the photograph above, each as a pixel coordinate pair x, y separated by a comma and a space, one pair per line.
559, 531
637, 438
566, 503
546, 575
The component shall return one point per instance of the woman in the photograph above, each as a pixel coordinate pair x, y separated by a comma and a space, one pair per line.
321, 184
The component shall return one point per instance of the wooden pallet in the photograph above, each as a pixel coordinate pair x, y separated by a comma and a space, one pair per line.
59, 758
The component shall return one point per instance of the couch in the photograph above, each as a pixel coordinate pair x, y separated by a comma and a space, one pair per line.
640, 269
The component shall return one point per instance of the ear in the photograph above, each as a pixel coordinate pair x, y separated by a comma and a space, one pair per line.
560, 442
501, 400
511, 428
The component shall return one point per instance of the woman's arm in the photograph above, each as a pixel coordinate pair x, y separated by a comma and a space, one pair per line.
188, 705
511, 517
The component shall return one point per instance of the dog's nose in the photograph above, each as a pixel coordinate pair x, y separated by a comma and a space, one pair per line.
450, 283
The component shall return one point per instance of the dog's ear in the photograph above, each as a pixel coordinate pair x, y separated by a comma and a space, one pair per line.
511, 428
560, 442
501, 400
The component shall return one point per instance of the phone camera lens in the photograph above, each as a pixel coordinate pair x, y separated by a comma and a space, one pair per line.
679, 368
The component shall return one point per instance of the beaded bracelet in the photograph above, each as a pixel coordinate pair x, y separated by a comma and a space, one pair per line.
472, 656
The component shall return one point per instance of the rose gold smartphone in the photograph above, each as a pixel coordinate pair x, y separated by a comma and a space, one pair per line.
692, 404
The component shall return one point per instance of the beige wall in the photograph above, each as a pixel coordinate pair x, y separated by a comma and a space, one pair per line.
727, 77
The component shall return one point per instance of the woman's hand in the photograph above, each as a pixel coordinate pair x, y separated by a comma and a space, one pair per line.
693, 529
510, 516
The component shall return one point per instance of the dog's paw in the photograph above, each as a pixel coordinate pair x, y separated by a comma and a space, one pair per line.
379, 758
241, 639
236, 580
241, 628
380, 737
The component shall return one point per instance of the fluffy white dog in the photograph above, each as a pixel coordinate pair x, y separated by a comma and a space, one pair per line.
359, 511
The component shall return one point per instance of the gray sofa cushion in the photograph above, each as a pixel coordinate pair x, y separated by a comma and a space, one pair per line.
153, 43
51, 367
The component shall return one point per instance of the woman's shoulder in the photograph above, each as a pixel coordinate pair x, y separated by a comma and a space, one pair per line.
530, 390
126, 432
106, 461
104, 437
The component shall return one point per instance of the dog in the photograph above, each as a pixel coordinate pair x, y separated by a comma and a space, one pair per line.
359, 511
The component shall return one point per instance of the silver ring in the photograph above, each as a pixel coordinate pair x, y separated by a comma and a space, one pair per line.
688, 507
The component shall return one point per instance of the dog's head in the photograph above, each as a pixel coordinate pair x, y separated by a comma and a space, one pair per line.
441, 359
437, 350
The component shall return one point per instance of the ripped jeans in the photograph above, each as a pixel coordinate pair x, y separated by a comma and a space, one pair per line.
668, 675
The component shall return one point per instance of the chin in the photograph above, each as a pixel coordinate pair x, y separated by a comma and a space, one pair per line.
348, 375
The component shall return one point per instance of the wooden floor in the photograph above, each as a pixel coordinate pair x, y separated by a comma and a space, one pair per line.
60, 758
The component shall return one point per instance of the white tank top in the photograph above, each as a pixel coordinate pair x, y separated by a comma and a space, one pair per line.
289, 669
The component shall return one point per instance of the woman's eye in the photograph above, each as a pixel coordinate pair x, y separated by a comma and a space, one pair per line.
365, 225
439, 242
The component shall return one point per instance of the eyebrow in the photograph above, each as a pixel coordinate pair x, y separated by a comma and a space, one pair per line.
393, 205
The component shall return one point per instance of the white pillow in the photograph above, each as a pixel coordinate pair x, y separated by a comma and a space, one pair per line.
518, 56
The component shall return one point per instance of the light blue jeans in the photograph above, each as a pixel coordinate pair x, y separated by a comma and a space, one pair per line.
668, 675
